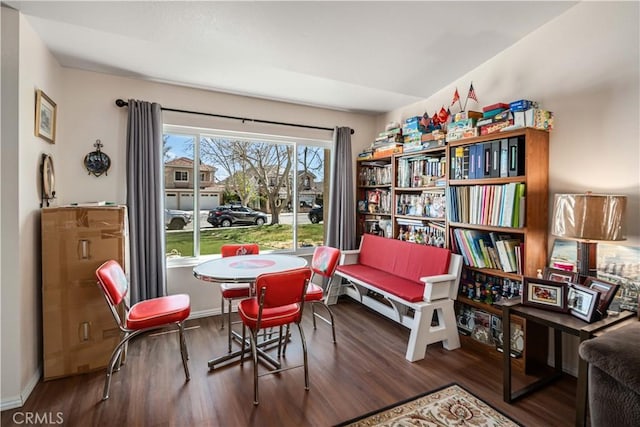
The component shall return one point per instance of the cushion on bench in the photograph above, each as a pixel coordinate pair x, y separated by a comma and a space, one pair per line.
406, 289
404, 259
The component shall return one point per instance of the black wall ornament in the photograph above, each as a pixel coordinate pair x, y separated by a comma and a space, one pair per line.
47, 181
97, 162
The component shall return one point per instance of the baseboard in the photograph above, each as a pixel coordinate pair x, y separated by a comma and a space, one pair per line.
205, 313
18, 401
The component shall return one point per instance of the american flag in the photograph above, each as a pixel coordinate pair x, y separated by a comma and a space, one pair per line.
472, 93
456, 97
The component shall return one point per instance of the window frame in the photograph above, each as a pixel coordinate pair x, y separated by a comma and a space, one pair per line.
176, 172
198, 133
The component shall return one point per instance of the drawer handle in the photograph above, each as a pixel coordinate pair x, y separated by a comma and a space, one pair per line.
85, 331
83, 249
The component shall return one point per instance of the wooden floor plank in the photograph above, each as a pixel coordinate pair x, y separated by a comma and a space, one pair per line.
364, 371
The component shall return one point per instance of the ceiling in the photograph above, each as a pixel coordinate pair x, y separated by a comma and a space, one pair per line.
358, 56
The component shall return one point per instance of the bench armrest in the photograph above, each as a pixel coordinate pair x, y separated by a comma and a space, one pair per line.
438, 287
349, 257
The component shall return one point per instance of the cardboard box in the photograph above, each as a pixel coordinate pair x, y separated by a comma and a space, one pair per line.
494, 127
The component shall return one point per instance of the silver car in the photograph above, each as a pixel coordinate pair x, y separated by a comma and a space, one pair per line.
175, 219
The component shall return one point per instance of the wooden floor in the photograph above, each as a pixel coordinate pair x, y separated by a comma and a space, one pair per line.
364, 371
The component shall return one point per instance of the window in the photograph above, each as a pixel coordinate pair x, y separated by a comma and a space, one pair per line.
254, 182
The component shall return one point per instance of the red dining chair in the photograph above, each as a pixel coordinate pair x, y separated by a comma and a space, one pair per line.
141, 317
324, 262
279, 302
234, 291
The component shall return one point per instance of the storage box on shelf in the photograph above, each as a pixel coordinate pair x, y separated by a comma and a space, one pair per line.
419, 197
374, 197
497, 213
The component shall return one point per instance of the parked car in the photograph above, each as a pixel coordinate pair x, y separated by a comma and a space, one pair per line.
316, 214
175, 219
226, 216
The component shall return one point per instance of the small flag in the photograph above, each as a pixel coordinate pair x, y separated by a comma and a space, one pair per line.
472, 93
442, 115
435, 119
424, 120
456, 97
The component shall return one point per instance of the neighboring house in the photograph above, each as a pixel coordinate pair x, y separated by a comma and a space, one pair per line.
179, 181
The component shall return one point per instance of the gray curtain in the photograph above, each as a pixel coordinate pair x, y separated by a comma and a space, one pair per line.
341, 227
145, 201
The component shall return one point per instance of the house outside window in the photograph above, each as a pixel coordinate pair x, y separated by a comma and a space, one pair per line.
247, 178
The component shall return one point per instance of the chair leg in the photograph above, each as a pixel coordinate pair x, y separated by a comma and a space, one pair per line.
304, 352
331, 322
244, 338
115, 355
183, 351
222, 301
313, 314
253, 336
230, 330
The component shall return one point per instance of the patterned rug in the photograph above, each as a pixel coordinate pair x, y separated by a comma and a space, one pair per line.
450, 405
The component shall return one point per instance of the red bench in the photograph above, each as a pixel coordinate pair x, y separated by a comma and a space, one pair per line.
413, 280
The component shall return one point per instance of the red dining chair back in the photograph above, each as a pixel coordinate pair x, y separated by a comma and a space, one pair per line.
279, 302
234, 291
324, 262
141, 317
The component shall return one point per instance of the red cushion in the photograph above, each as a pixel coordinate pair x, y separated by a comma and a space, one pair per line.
276, 316
404, 288
404, 259
235, 290
159, 311
314, 293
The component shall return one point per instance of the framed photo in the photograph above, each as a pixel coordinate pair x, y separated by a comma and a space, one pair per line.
564, 254
607, 291
545, 294
582, 302
559, 275
46, 115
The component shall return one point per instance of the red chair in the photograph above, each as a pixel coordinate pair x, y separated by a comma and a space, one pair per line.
141, 317
324, 262
279, 302
234, 291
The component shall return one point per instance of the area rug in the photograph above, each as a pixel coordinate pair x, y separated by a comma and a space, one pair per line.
450, 405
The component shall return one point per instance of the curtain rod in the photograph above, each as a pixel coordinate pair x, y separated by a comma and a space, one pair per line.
123, 103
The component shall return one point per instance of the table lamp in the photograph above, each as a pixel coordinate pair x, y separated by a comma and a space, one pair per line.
589, 218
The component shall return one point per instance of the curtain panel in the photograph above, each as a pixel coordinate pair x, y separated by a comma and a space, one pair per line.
341, 226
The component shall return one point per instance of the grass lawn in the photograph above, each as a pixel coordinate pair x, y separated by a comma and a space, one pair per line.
269, 237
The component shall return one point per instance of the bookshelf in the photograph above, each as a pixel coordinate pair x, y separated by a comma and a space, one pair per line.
497, 215
374, 204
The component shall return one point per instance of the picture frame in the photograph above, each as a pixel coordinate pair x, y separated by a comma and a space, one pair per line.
607, 292
46, 116
545, 294
559, 275
582, 302
564, 254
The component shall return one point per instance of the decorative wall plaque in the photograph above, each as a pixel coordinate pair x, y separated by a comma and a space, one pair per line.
97, 162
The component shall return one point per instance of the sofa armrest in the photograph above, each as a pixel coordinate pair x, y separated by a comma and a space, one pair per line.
438, 287
349, 257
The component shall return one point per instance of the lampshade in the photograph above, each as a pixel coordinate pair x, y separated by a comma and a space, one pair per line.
589, 217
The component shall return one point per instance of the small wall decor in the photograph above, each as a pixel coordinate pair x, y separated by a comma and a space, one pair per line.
97, 162
46, 115
47, 181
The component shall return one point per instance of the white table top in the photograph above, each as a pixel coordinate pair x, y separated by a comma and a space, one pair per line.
245, 268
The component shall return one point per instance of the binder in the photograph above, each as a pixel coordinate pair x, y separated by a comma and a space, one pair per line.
504, 157
472, 161
495, 159
516, 156
486, 161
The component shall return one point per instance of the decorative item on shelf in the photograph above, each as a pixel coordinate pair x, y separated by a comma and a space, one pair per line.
97, 162
47, 181
589, 218
46, 115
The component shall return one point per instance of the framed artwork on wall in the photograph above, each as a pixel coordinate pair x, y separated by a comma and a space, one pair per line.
46, 115
564, 255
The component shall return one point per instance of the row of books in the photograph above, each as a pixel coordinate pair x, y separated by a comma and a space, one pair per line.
412, 170
482, 249
374, 174
427, 204
497, 205
494, 159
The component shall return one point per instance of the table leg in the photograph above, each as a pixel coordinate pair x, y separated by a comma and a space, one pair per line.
581, 391
506, 354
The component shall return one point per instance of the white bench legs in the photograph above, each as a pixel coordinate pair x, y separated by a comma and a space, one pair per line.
423, 334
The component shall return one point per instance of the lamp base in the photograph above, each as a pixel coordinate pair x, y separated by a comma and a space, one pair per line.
587, 259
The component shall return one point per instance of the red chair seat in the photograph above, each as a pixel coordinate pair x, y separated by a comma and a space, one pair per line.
275, 316
159, 311
314, 293
235, 290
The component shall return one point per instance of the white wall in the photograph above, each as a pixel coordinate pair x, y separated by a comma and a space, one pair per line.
22, 151
585, 67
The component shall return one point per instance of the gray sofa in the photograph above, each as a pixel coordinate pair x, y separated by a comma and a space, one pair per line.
614, 377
